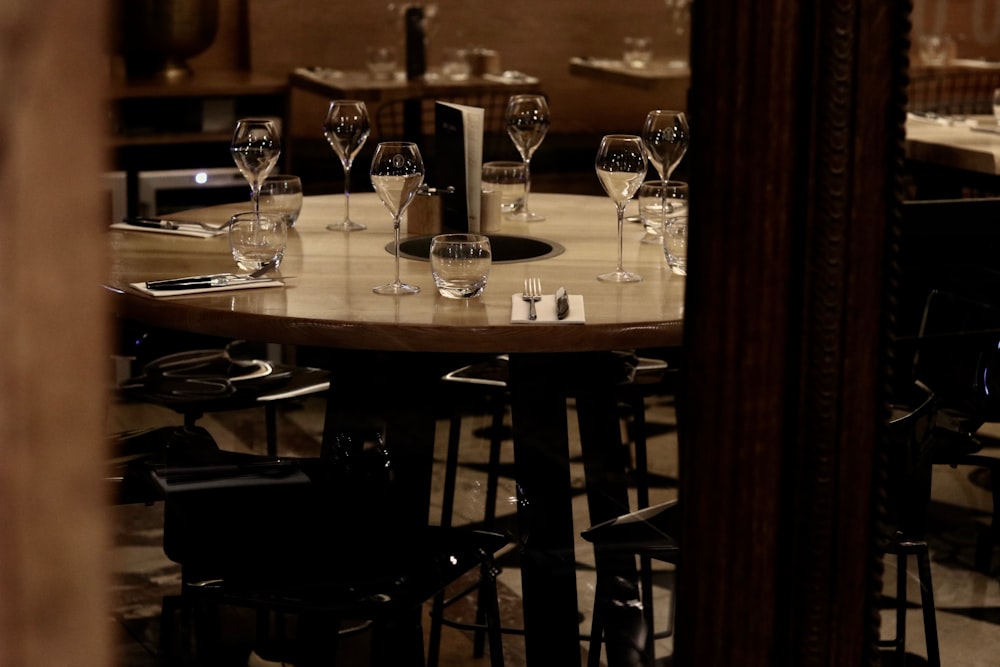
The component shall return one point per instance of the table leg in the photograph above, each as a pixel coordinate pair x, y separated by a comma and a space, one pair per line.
545, 510
605, 465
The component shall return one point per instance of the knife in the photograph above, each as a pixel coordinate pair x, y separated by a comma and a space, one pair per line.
195, 282
162, 223
562, 303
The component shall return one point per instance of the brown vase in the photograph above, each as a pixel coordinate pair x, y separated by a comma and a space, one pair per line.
156, 37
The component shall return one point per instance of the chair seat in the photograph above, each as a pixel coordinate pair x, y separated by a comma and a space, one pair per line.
645, 532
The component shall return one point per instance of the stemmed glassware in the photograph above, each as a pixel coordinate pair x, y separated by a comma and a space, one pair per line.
666, 137
621, 167
346, 128
255, 149
397, 173
527, 120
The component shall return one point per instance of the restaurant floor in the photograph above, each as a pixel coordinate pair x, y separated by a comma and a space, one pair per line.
968, 603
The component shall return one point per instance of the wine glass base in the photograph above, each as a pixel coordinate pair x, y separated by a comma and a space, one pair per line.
620, 277
346, 226
526, 216
396, 288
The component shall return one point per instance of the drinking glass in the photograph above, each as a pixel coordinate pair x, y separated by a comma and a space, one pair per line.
282, 193
527, 120
675, 226
397, 172
346, 128
255, 149
257, 239
652, 205
666, 136
460, 264
621, 166
509, 179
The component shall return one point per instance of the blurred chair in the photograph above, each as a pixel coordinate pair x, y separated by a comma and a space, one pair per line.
391, 118
908, 460
952, 91
314, 550
487, 380
958, 357
194, 382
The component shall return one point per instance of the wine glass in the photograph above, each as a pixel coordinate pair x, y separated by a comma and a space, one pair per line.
255, 149
346, 128
621, 166
397, 172
527, 120
666, 137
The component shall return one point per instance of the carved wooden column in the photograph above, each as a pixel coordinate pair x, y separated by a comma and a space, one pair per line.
796, 115
54, 570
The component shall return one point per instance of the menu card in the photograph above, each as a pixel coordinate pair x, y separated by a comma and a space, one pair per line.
459, 140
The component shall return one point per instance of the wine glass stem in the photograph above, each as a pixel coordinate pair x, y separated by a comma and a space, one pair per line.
527, 184
347, 192
255, 197
621, 221
395, 228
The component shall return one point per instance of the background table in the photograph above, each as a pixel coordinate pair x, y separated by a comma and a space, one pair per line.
328, 302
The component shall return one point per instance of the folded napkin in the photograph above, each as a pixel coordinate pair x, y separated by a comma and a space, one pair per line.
205, 290
546, 310
186, 230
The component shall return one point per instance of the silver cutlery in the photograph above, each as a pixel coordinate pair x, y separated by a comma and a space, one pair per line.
532, 293
213, 280
562, 303
162, 223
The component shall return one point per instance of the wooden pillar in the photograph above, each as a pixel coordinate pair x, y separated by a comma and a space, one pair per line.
54, 580
796, 115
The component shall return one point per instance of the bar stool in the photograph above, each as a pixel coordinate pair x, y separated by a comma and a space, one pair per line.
641, 376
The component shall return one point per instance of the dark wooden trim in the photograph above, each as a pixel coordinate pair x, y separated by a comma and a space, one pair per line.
795, 112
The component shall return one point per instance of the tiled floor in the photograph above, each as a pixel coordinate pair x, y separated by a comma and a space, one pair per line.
968, 603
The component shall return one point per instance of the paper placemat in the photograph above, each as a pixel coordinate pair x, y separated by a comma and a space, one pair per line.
546, 310
205, 290
181, 231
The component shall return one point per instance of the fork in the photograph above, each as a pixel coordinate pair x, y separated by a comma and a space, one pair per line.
532, 293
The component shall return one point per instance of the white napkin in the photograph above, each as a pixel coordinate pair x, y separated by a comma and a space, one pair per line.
205, 290
546, 310
181, 231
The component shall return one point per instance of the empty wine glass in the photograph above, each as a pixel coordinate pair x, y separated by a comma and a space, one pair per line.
397, 172
621, 167
346, 128
527, 120
666, 137
255, 149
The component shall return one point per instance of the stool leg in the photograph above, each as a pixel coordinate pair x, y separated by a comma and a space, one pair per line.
447, 507
271, 428
927, 606
901, 608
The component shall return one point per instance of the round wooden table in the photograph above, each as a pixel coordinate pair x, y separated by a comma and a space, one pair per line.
327, 302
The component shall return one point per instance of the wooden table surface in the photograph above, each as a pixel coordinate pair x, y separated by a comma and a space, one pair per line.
327, 298
655, 76
956, 145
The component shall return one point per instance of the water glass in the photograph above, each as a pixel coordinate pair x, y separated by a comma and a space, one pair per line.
381, 63
652, 196
460, 264
257, 239
455, 65
510, 179
282, 193
675, 226
638, 51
